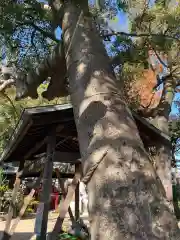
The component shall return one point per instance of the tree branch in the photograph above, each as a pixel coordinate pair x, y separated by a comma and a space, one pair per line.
139, 35
163, 79
39, 29
26, 84
159, 58
57, 9
116, 60
55, 67
6, 83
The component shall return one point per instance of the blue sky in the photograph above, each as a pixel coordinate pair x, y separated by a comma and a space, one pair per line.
121, 25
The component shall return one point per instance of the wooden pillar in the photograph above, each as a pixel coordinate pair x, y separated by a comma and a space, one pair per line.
64, 206
25, 205
77, 196
6, 234
64, 193
43, 208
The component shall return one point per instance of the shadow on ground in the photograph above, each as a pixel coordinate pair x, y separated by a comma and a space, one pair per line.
19, 235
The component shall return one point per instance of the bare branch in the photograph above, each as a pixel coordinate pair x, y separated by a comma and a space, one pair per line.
54, 67
159, 58
163, 79
39, 29
140, 35
6, 83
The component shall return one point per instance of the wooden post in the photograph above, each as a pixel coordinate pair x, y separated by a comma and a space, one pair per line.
26, 203
43, 208
65, 205
6, 234
64, 193
77, 166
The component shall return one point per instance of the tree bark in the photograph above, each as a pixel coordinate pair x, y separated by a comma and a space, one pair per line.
160, 119
163, 168
164, 153
126, 199
164, 107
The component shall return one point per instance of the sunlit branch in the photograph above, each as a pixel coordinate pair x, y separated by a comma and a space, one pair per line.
6, 84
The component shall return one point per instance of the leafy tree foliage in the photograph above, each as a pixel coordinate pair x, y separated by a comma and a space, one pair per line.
10, 110
26, 32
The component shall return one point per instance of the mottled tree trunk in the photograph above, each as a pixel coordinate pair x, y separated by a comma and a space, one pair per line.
163, 168
164, 153
126, 200
160, 119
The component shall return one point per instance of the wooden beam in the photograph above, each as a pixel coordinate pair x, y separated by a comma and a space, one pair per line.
26, 203
65, 205
20, 131
36, 147
43, 208
64, 193
6, 234
77, 166
66, 157
37, 174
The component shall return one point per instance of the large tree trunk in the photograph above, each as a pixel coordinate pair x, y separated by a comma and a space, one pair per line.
126, 199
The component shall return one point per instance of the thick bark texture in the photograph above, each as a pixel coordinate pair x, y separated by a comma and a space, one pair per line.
160, 119
161, 156
163, 168
57, 71
126, 198
164, 107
